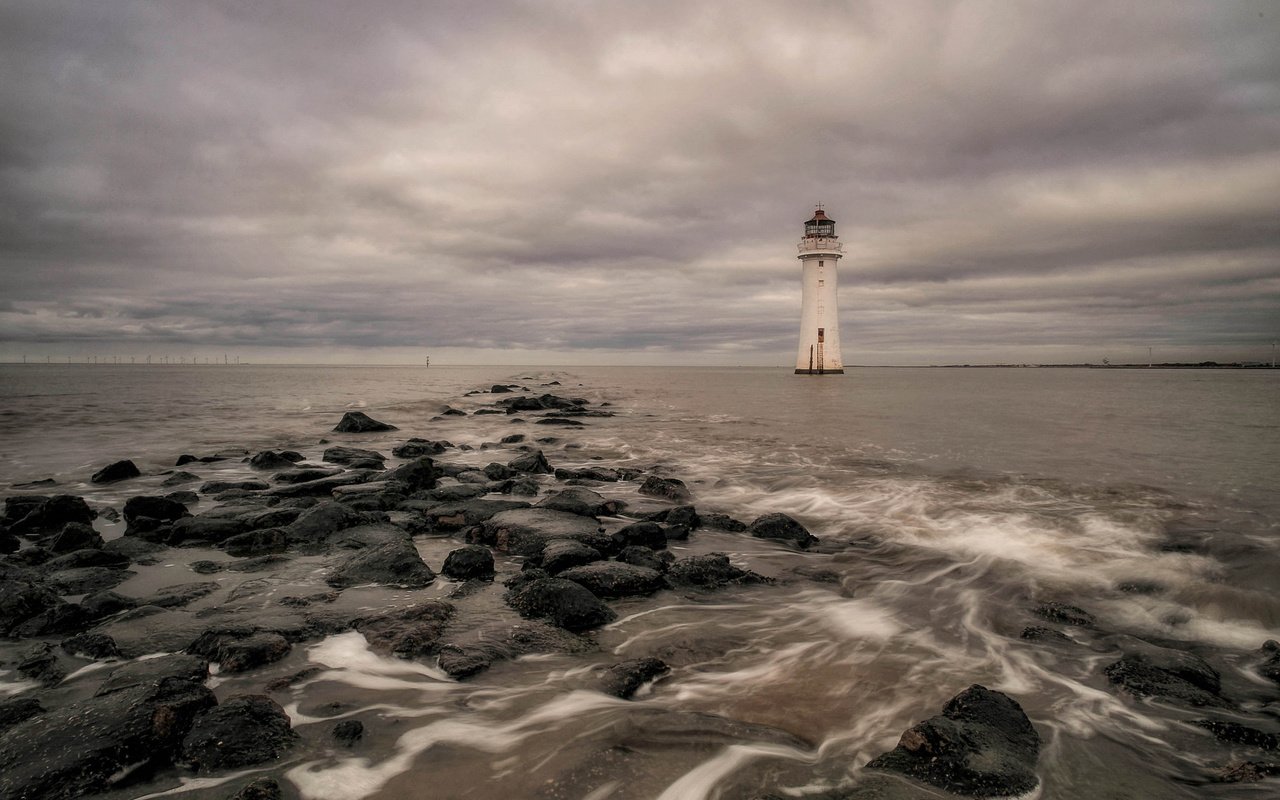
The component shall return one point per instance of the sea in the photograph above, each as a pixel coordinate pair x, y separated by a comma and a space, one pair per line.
949, 502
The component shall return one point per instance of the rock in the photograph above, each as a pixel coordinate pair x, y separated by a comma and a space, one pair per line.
671, 489
219, 487
260, 789
415, 448
450, 411
456, 516
153, 672
84, 580
348, 732
74, 536
271, 459
710, 571
622, 680
118, 471
499, 388
982, 745
83, 747
563, 602
562, 421
644, 557
1270, 666
179, 478
360, 422
307, 474
514, 438
244, 730
498, 472
1064, 614
407, 632
184, 459
159, 509
644, 534
723, 522
88, 557
612, 580
581, 501
416, 475
546, 401
320, 522
526, 531
1170, 674
1039, 633
39, 662
97, 646
103, 604
1235, 733
256, 543
352, 455
389, 564
180, 594
1248, 771
561, 554
137, 550
781, 526
601, 474
8, 542
467, 563
37, 516
204, 528
457, 492
533, 463
239, 650
17, 710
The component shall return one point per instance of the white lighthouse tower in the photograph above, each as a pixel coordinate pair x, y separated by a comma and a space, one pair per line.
819, 352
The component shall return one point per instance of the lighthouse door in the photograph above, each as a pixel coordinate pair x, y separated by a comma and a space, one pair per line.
821, 338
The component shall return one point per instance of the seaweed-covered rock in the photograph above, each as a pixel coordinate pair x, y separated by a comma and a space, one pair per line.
622, 680
242, 731
783, 527
563, 602
470, 562
116, 471
611, 579
1064, 614
389, 564
672, 489
360, 422
982, 745
260, 789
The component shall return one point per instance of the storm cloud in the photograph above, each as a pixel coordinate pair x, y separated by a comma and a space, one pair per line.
595, 182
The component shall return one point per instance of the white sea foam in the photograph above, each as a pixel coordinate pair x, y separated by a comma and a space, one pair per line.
701, 781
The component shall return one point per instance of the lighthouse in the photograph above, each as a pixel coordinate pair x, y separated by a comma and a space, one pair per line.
819, 352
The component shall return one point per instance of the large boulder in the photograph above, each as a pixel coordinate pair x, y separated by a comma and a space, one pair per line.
407, 632
37, 516
783, 527
710, 571
534, 463
353, 456
83, 747
561, 554
322, 521
273, 459
526, 531
982, 745
32, 609
455, 516
546, 401
612, 579
1149, 671
159, 509
415, 448
624, 679
466, 563
239, 650
581, 501
117, 471
74, 536
244, 730
360, 422
564, 603
389, 564
420, 473
643, 534
672, 489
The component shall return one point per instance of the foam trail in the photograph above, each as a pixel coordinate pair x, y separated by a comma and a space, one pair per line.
700, 782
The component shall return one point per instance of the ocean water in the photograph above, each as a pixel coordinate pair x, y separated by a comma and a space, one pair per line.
949, 503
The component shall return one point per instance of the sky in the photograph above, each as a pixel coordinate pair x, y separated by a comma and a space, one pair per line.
573, 182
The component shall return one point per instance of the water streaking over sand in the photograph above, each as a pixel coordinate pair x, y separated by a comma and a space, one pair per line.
953, 508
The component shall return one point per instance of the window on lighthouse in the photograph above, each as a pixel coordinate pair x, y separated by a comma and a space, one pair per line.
822, 283
822, 263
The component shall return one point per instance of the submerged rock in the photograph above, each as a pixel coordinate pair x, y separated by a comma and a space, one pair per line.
622, 680
1064, 614
407, 632
710, 571
118, 471
244, 730
564, 603
1270, 666
783, 527
667, 488
348, 732
981, 745
360, 422
1171, 674
260, 789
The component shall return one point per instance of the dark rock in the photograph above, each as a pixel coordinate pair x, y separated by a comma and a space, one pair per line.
256, 543
416, 475
18, 709
118, 471
136, 550
644, 557
622, 680
83, 747
36, 516
8, 542
87, 557
514, 438
498, 472
781, 526
270, 459
407, 632
389, 564
206, 567
543, 402
672, 489
186, 497
238, 650
348, 732
561, 554
103, 604
561, 421
152, 672
457, 492
450, 411
74, 536
982, 745
710, 571
243, 731
180, 594
97, 646
84, 580
360, 422
581, 501
184, 459
1064, 614
724, 523
612, 579
307, 474
415, 448
1170, 674
643, 534
1235, 733
1039, 633
20, 601
456, 516
204, 528
351, 455
221, 487
499, 388
565, 603
526, 531
260, 789
39, 662
1270, 666
31, 557
600, 474
466, 563
1248, 771
533, 463
152, 508
320, 522
683, 515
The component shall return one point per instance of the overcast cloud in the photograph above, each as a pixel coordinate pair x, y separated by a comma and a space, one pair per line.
595, 182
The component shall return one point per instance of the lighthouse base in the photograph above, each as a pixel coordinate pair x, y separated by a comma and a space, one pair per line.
819, 372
